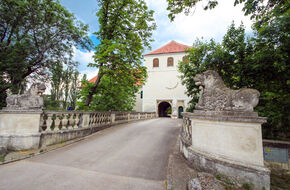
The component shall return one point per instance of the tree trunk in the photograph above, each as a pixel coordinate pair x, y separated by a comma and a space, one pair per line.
93, 91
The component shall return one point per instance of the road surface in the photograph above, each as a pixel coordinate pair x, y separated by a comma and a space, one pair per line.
124, 157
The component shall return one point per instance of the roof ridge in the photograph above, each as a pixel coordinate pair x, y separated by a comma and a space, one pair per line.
170, 47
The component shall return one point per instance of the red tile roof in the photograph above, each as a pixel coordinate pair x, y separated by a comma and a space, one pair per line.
171, 47
93, 80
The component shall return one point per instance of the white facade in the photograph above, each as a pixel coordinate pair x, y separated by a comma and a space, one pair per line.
138, 102
163, 84
163, 90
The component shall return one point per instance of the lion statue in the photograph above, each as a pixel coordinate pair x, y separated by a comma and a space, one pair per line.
215, 96
32, 99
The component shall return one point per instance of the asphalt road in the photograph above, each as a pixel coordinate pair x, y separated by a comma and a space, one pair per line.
130, 156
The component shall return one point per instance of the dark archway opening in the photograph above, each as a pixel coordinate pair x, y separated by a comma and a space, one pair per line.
180, 110
164, 109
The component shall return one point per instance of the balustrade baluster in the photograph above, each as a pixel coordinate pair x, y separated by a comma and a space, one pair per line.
56, 123
93, 120
43, 119
106, 118
90, 120
98, 119
77, 120
49, 122
71, 121
65, 121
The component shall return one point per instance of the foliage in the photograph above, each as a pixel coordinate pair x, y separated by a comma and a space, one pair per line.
34, 34
74, 89
2, 158
114, 93
280, 178
178, 6
125, 30
258, 9
260, 62
248, 186
64, 87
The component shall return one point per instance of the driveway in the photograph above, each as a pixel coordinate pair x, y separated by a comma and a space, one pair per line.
128, 156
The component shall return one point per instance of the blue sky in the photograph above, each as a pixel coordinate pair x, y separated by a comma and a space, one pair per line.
184, 29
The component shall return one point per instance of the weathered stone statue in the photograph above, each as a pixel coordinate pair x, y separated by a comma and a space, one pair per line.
31, 100
223, 135
215, 96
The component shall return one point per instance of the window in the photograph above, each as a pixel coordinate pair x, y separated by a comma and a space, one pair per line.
170, 61
185, 59
156, 62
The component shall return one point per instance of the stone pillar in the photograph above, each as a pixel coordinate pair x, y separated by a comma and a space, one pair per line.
230, 144
113, 116
85, 120
174, 109
20, 130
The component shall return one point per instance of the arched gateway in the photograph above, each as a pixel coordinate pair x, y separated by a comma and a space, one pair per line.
164, 109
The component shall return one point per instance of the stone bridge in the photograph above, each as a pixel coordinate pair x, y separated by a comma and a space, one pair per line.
126, 156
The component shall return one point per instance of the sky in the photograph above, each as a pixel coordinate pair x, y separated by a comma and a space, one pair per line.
184, 29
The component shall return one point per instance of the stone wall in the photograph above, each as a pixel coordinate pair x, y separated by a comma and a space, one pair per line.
20, 130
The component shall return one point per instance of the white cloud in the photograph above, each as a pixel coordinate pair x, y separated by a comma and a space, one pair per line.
185, 29
84, 58
91, 73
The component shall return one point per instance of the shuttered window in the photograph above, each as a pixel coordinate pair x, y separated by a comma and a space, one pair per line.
156, 62
170, 61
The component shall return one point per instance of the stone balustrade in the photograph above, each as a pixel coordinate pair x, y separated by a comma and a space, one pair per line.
55, 121
186, 131
120, 116
21, 130
68, 120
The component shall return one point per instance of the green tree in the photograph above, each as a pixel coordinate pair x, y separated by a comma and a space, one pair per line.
125, 30
259, 9
74, 89
115, 92
56, 81
260, 62
34, 34
271, 51
64, 84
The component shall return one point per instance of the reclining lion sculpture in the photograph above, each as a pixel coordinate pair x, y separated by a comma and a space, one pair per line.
215, 96
32, 99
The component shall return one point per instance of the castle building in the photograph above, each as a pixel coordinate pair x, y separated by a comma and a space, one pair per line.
163, 92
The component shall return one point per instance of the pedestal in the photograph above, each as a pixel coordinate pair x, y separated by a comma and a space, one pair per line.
19, 130
229, 144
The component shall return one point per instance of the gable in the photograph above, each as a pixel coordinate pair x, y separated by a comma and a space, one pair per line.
171, 47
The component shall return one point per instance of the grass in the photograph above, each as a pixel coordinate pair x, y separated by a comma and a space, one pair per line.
247, 186
218, 177
280, 179
2, 158
224, 179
